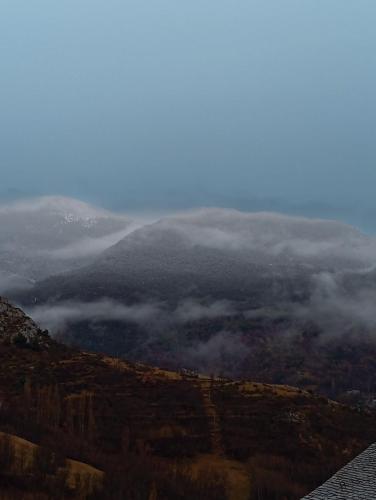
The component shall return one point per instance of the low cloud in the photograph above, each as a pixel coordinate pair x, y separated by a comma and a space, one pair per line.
45, 236
337, 307
88, 247
58, 317
220, 355
269, 236
10, 283
192, 310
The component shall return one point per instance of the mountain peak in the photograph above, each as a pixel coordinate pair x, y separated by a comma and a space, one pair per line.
62, 205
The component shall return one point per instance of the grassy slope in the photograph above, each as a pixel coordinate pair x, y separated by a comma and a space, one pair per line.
165, 415
77, 472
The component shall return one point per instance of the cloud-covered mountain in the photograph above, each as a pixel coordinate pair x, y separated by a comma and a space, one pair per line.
218, 253
47, 235
245, 294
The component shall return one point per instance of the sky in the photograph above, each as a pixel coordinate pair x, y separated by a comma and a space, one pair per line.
139, 104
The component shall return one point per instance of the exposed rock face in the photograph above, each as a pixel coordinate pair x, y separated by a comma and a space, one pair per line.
17, 328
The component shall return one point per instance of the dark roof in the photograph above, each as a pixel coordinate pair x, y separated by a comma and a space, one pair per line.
356, 481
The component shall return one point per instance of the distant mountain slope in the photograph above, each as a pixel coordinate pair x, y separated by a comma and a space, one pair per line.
42, 236
217, 253
167, 434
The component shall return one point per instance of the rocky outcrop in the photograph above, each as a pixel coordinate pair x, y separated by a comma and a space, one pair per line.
17, 328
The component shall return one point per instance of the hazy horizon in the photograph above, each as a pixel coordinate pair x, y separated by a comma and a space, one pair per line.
140, 106
148, 213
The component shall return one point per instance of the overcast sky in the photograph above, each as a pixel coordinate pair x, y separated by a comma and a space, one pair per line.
166, 102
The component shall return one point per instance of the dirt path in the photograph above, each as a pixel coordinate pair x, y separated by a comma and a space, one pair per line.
213, 419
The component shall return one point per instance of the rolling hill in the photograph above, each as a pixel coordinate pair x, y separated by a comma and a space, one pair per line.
163, 433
